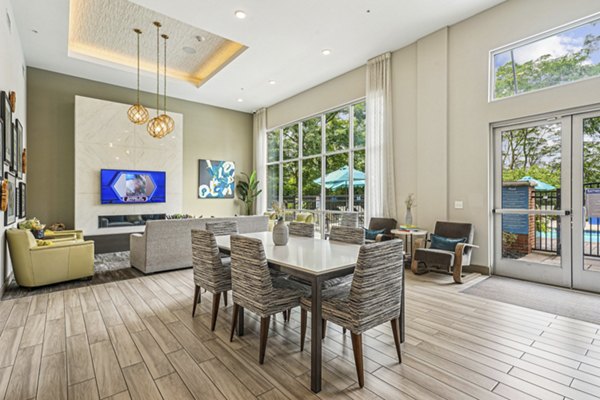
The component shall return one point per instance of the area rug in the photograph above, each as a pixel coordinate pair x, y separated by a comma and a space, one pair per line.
109, 267
554, 300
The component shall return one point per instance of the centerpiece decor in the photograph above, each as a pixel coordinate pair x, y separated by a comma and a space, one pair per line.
281, 233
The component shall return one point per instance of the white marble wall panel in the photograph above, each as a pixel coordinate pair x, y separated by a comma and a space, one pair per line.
106, 139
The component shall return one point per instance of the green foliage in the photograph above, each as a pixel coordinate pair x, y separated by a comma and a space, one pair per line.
248, 191
547, 71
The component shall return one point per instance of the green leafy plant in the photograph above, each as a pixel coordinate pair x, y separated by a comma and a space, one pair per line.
248, 191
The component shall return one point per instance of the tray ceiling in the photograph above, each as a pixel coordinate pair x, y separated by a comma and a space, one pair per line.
102, 31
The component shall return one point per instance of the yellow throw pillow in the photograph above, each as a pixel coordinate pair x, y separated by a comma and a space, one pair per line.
42, 243
48, 233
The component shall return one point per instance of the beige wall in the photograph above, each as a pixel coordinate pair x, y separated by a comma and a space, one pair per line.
442, 115
209, 132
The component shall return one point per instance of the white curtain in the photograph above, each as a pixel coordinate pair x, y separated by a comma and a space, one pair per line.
380, 198
260, 158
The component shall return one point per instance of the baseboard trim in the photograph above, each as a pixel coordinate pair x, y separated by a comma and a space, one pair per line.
481, 269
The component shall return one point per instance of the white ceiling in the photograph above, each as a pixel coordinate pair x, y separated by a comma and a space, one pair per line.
284, 40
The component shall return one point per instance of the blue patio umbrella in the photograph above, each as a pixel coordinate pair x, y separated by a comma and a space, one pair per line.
341, 178
539, 185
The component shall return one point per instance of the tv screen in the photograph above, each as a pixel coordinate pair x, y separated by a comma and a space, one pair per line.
132, 187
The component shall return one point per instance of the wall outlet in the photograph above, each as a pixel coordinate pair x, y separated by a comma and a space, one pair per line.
458, 205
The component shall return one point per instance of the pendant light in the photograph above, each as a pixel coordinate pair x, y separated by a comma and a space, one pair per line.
166, 118
137, 113
157, 128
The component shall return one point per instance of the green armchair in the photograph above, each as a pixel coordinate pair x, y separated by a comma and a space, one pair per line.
35, 265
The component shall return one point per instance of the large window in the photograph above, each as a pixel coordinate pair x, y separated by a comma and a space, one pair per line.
565, 55
327, 148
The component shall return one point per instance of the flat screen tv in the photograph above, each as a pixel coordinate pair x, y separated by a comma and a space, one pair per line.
132, 187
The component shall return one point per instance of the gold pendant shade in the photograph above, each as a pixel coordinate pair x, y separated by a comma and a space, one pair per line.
162, 124
137, 113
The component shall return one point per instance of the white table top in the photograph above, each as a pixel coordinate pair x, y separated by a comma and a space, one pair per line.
416, 231
313, 256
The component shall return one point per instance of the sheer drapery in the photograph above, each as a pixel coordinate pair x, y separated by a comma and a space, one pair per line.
380, 197
260, 158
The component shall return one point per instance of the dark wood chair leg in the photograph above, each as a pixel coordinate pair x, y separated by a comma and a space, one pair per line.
343, 331
358, 357
234, 320
285, 316
324, 323
225, 298
264, 334
303, 320
289, 315
396, 331
215, 310
197, 296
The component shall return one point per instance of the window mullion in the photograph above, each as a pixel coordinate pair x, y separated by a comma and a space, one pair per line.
351, 162
300, 155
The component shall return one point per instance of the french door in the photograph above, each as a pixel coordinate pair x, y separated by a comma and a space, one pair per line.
547, 201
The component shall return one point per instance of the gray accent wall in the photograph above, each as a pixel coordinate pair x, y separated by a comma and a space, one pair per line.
208, 132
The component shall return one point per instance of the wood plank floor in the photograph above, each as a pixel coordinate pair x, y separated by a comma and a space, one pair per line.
136, 339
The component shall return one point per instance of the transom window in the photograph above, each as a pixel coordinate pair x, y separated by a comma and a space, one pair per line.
327, 148
564, 55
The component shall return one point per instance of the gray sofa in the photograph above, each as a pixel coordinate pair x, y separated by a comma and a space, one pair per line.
167, 244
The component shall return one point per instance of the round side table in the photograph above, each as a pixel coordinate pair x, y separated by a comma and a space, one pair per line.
409, 236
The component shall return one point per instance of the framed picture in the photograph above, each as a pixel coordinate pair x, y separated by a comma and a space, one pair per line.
13, 164
6, 114
19, 149
22, 200
216, 179
10, 216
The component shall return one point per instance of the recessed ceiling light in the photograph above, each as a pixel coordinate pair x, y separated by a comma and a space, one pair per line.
189, 50
272, 82
240, 100
326, 52
240, 14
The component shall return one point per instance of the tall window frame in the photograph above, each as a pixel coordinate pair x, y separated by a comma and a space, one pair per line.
300, 159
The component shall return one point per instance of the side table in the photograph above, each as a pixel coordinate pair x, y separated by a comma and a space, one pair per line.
409, 236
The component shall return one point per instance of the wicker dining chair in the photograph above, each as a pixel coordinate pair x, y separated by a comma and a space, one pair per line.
210, 272
349, 220
373, 298
255, 290
302, 229
347, 235
222, 228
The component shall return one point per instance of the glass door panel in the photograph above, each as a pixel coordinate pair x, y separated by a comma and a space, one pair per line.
586, 201
532, 180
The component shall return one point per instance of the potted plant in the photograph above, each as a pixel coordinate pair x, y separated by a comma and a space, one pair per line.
410, 202
35, 226
248, 191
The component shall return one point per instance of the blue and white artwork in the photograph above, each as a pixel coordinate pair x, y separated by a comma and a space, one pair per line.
216, 179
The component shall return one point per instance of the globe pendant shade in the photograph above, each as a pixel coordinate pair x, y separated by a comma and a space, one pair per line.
169, 122
157, 128
138, 114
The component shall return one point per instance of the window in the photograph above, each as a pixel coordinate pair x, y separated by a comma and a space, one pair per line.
329, 147
563, 56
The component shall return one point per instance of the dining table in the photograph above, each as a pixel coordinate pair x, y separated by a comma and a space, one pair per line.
314, 260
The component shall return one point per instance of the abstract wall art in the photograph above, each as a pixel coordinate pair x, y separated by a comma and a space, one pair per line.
216, 179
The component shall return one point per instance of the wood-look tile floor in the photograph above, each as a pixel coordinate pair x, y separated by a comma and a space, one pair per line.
136, 339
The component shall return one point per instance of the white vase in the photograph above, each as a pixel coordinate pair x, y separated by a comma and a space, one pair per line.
408, 220
281, 233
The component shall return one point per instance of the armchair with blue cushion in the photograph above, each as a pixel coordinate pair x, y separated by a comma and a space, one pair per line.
380, 229
447, 250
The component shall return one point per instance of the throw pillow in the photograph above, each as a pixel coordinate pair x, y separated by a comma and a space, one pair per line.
44, 242
444, 243
371, 234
